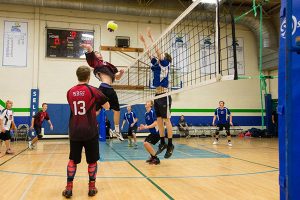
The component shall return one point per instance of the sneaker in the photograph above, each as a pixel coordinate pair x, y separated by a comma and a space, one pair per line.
169, 152
9, 151
230, 144
119, 135
216, 142
149, 159
161, 147
68, 191
135, 146
155, 161
30, 145
130, 145
187, 137
92, 189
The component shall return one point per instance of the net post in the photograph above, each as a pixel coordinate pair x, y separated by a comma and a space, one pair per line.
233, 41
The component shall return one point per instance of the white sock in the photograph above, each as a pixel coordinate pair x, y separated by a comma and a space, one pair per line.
117, 128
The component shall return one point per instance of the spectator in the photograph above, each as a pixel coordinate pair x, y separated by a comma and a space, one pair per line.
183, 127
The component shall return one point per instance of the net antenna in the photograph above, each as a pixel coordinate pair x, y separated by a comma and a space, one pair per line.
201, 42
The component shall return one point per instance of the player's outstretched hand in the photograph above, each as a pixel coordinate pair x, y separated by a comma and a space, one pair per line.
142, 38
51, 127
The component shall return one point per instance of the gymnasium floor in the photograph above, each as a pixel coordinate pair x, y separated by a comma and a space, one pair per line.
197, 170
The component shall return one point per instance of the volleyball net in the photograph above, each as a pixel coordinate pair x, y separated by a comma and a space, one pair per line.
202, 44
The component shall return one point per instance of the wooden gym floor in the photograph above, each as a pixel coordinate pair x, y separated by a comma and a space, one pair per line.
197, 170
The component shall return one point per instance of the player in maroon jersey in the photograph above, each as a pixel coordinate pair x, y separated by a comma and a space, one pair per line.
106, 73
36, 124
83, 100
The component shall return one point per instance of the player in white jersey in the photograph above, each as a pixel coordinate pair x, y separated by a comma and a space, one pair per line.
6, 123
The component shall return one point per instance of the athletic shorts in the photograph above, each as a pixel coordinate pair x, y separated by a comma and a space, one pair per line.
152, 138
91, 148
111, 94
5, 135
38, 131
132, 130
221, 126
162, 107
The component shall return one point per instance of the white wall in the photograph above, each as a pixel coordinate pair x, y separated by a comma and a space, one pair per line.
55, 76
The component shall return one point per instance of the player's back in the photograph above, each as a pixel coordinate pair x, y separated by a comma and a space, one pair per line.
82, 100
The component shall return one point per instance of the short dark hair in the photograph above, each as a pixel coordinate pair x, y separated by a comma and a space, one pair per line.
168, 57
83, 73
222, 102
44, 104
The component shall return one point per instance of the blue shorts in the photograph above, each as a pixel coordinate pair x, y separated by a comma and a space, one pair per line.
31, 134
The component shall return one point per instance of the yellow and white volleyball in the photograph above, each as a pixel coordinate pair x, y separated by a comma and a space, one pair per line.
111, 26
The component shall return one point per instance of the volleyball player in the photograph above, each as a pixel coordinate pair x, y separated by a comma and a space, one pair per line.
162, 106
6, 123
153, 137
36, 124
131, 119
106, 73
83, 100
221, 115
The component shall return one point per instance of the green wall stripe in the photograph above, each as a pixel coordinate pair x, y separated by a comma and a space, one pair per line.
213, 110
2, 103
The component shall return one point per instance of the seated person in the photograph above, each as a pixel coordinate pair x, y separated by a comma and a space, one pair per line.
107, 128
183, 127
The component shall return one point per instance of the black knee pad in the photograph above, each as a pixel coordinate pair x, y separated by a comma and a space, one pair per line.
40, 136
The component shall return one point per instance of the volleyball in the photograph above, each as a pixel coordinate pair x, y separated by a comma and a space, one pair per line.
111, 26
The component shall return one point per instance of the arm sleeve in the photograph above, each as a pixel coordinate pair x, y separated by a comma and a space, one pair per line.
124, 118
134, 115
91, 59
153, 61
216, 112
228, 111
2, 114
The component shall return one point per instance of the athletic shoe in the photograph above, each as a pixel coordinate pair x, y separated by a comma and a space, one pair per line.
30, 145
187, 136
68, 191
149, 159
155, 161
169, 152
135, 146
110, 133
92, 189
119, 135
230, 144
9, 151
161, 147
130, 145
216, 142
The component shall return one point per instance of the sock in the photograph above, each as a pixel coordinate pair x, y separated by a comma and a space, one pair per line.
117, 128
169, 141
162, 140
92, 169
71, 170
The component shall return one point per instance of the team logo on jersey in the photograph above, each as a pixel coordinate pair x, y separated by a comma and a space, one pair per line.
295, 25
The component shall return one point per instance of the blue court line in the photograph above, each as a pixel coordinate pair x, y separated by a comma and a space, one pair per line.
144, 177
242, 159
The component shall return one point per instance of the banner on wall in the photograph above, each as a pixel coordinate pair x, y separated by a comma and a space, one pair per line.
15, 44
239, 56
207, 55
34, 102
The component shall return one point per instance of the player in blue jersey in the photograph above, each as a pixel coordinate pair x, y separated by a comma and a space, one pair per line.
221, 115
162, 106
153, 137
131, 119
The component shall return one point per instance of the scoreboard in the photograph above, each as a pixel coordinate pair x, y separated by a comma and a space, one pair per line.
66, 43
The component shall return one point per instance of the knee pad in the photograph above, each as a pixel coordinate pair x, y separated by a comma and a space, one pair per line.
228, 133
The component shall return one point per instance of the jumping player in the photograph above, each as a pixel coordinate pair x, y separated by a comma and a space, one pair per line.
161, 68
83, 100
106, 73
153, 137
221, 114
131, 119
36, 124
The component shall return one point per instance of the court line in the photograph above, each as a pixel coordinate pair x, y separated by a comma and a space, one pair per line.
13, 156
34, 179
144, 177
151, 181
213, 150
